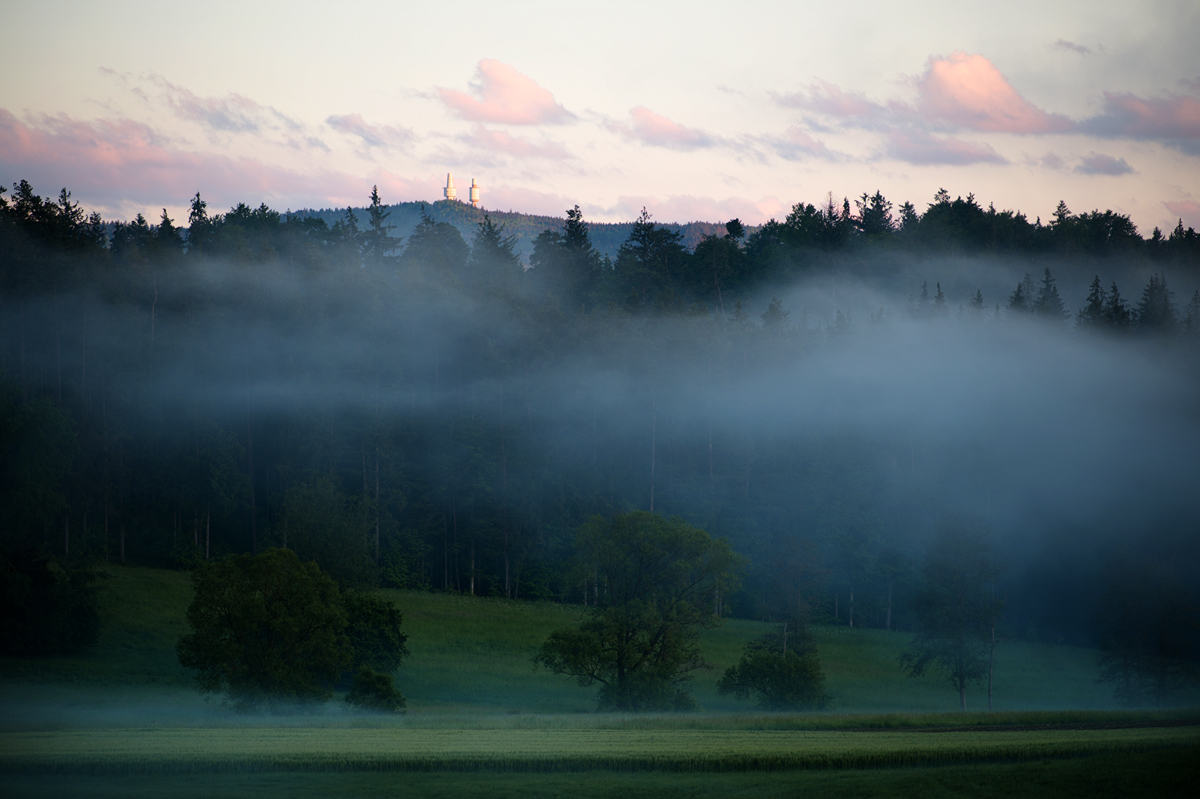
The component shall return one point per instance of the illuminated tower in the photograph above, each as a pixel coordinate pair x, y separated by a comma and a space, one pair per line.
449, 191
474, 193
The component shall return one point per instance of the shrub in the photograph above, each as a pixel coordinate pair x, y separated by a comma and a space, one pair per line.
375, 691
46, 608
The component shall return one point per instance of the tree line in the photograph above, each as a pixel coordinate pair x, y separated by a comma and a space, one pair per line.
433, 413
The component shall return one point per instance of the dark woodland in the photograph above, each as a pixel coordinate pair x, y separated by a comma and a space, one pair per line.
827, 393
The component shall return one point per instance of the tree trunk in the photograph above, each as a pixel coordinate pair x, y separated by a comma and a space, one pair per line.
377, 509
653, 443
991, 661
253, 502
850, 610
888, 621
962, 695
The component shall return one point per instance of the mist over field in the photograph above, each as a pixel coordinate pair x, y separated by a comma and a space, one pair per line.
859, 415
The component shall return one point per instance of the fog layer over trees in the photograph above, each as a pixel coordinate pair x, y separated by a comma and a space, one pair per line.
821, 392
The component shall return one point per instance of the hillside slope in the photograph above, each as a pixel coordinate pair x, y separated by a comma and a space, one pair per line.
472, 654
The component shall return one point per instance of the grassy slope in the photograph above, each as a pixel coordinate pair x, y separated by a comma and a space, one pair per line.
471, 654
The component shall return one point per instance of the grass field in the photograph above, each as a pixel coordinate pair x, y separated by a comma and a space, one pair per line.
1163, 773
125, 720
451, 637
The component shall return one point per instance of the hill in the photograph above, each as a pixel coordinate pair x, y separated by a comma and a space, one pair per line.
472, 655
606, 237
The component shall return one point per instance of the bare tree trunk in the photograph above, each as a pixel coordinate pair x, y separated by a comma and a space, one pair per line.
991, 661
888, 623
253, 500
653, 443
850, 610
377, 509
83, 360
962, 695
21, 335
58, 338
504, 489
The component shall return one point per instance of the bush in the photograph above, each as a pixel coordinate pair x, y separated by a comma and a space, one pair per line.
375, 691
46, 608
374, 632
789, 679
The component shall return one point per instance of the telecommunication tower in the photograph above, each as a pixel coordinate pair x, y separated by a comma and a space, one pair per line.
449, 191
474, 193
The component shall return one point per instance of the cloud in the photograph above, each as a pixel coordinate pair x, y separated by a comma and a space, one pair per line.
1100, 164
796, 145
967, 91
382, 136
120, 164
1053, 161
1174, 120
650, 128
1185, 210
925, 150
232, 113
961, 91
505, 96
830, 100
1063, 44
498, 141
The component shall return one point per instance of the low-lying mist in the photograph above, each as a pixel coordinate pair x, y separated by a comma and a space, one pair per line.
484, 425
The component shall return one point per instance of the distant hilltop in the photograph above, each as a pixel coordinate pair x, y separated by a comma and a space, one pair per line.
606, 237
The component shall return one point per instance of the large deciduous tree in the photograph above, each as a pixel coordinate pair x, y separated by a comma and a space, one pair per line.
658, 581
265, 628
956, 610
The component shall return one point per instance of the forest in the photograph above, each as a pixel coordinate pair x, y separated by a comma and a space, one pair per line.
822, 392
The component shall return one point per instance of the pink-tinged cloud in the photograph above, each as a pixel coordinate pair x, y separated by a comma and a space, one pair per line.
1186, 211
1174, 120
119, 165
503, 95
657, 131
501, 142
382, 136
1100, 164
924, 150
967, 91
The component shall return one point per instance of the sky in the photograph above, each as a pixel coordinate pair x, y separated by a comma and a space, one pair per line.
693, 110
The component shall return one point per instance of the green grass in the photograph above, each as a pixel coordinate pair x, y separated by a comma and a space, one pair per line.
472, 655
1162, 773
399, 748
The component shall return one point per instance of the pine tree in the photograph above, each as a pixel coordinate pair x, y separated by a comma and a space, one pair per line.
1049, 304
1156, 311
1116, 312
1092, 314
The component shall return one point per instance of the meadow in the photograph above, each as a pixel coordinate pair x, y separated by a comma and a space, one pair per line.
125, 720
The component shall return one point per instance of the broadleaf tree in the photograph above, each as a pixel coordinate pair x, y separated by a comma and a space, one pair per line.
657, 585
